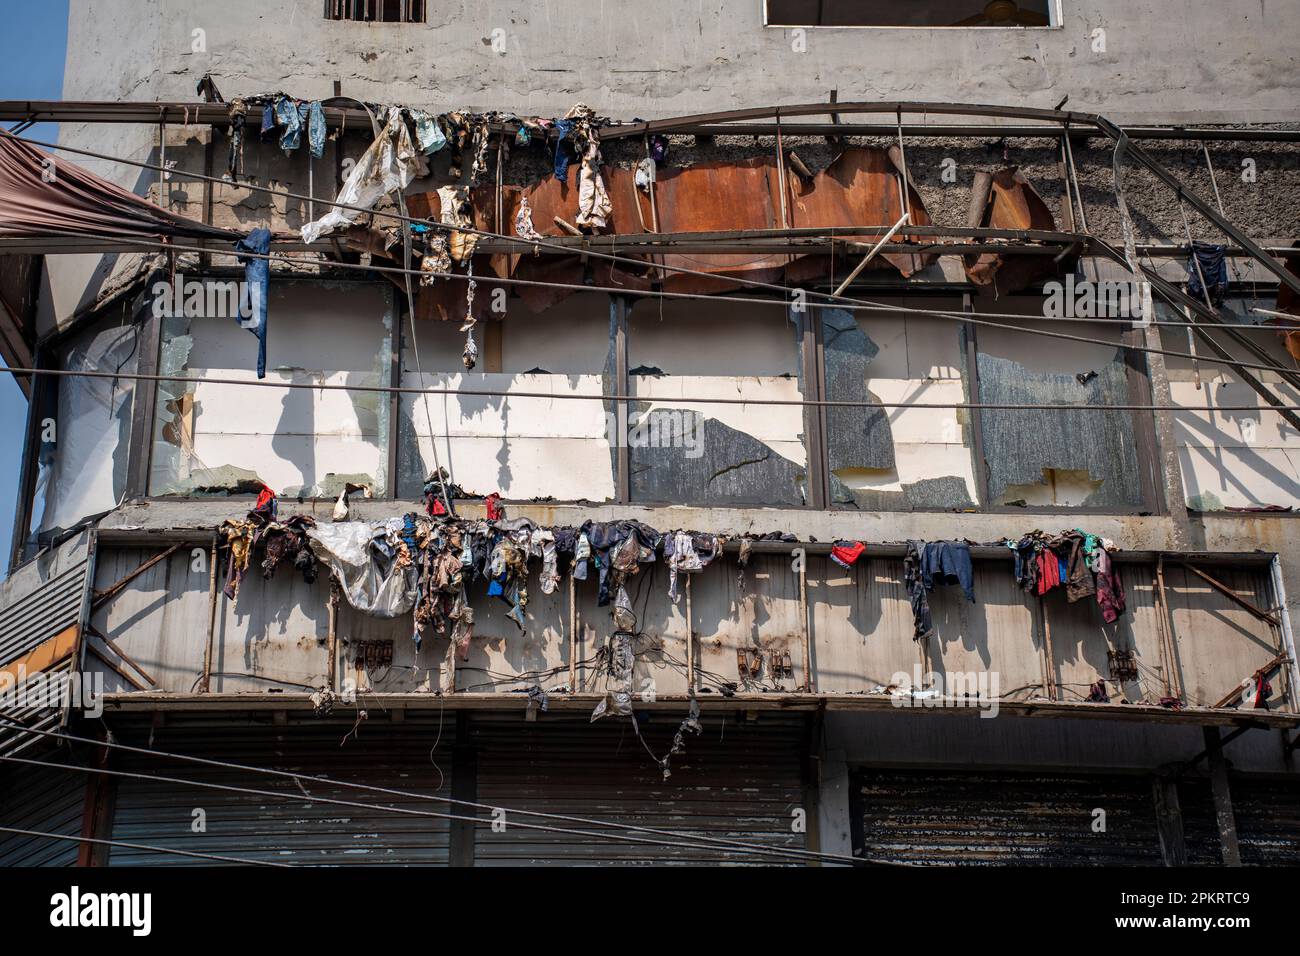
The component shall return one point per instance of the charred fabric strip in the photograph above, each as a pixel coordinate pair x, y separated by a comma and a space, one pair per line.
860, 189
39, 193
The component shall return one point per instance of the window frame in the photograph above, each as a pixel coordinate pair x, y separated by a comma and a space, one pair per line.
1055, 16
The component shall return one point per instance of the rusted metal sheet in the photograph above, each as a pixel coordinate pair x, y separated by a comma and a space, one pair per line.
988, 818
1012, 203
860, 188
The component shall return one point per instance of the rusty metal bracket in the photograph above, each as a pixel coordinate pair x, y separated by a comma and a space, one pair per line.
1231, 594
113, 589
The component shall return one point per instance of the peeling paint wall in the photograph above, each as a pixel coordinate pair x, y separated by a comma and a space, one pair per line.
212, 437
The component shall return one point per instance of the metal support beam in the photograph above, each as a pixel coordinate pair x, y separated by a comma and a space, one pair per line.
1169, 821
464, 786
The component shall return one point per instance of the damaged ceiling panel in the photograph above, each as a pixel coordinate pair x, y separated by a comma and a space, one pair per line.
896, 458
727, 453
1046, 457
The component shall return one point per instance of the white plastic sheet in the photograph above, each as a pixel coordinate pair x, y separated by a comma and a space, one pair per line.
389, 164
345, 547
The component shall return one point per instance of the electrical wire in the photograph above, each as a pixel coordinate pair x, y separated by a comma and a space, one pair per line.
135, 846
718, 841
852, 305
616, 397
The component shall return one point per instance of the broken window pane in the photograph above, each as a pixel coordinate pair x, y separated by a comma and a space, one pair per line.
1234, 459
890, 459
83, 452
1048, 458
522, 447
212, 438
713, 454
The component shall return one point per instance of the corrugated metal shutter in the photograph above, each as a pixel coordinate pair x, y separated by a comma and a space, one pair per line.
39, 602
964, 818
31, 617
401, 756
738, 780
48, 799
1268, 821
1267, 814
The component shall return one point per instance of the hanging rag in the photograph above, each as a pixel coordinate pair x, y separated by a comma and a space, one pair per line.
563, 155
388, 165
314, 117
524, 228
457, 211
428, 134
1213, 262
237, 111
593, 199
846, 553
913, 582
289, 117
257, 275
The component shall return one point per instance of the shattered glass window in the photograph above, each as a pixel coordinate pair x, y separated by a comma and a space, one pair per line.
896, 459
82, 464
687, 452
1232, 458
520, 445
215, 438
1045, 457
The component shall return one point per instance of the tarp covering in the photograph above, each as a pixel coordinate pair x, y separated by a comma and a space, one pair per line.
42, 194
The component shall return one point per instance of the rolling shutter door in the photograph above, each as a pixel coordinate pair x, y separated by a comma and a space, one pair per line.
400, 756
965, 818
46, 799
1267, 814
739, 780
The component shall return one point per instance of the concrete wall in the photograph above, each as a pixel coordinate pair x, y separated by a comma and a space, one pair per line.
1172, 60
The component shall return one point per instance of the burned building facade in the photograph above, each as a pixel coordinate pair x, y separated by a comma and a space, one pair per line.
769, 434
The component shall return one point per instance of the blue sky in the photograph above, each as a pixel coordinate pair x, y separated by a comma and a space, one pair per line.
32, 47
